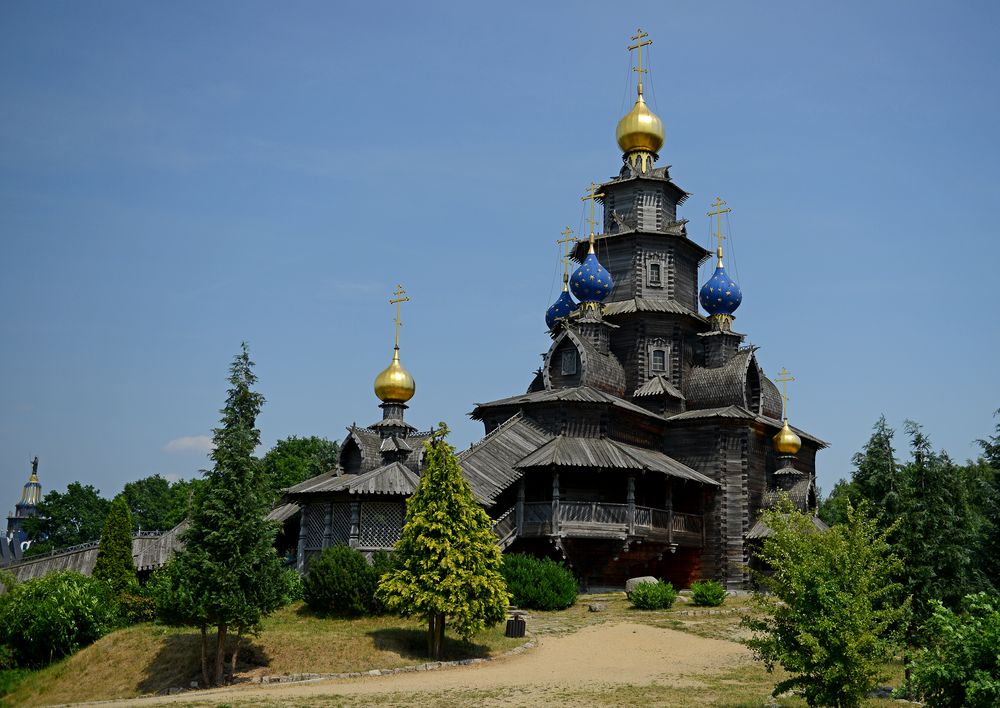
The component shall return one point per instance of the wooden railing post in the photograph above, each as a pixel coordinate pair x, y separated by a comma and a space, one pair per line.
555, 501
300, 562
328, 525
355, 539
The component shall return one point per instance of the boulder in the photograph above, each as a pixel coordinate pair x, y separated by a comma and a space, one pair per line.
597, 607
632, 583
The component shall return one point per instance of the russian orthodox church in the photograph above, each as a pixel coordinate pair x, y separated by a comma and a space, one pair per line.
17, 539
649, 441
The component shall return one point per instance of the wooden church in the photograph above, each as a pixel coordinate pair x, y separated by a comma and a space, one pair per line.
647, 444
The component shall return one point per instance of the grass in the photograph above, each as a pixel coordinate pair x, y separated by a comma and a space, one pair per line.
149, 659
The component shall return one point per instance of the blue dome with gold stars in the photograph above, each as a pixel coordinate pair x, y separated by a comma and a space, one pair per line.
560, 308
721, 295
591, 282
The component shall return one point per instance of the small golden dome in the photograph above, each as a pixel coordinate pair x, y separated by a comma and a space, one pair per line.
640, 129
395, 383
786, 442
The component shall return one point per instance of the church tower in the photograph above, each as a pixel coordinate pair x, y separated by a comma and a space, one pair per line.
27, 507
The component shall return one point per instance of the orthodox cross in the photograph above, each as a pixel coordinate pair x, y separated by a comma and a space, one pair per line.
719, 211
592, 196
784, 376
640, 42
567, 240
399, 299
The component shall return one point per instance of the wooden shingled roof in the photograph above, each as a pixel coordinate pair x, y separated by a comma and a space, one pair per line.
394, 478
599, 370
643, 304
489, 465
657, 386
760, 530
719, 386
576, 394
563, 451
741, 413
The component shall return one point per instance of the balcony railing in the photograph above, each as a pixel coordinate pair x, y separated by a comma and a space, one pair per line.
669, 525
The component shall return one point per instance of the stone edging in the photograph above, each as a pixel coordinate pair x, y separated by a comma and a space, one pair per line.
726, 611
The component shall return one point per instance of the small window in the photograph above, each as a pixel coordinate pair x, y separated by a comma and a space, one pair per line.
659, 360
569, 362
654, 273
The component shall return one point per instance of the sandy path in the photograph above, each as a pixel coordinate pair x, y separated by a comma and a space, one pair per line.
595, 656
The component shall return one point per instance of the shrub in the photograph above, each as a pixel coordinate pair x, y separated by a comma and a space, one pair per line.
708, 593
538, 583
960, 666
137, 607
293, 587
654, 596
53, 616
340, 582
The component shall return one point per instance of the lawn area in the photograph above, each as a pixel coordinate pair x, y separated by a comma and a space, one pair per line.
150, 658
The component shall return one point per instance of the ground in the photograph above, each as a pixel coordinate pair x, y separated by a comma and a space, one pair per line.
620, 656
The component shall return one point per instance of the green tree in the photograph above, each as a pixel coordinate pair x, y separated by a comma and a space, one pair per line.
876, 476
66, 519
228, 575
447, 559
114, 563
833, 613
987, 498
150, 500
833, 509
295, 460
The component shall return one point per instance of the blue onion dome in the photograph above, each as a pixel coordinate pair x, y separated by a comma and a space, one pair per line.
560, 308
720, 295
591, 282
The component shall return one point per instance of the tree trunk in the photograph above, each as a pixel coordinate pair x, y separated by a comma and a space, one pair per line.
220, 654
204, 656
431, 633
435, 635
440, 636
236, 653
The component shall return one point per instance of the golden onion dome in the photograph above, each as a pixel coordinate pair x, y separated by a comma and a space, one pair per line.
395, 383
640, 129
786, 442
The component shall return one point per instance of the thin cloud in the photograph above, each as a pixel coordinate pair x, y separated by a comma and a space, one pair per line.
190, 443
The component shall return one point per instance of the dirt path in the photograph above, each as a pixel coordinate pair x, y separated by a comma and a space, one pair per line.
595, 657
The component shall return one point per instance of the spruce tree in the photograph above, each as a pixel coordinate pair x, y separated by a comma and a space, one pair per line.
228, 576
447, 559
114, 556
876, 473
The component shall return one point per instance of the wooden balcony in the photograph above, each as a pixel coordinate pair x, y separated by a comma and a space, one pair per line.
574, 519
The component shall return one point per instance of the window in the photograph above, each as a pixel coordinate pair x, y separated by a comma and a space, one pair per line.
659, 360
654, 273
569, 362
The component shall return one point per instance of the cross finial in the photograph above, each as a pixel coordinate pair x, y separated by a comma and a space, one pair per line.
399, 297
718, 204
592, 196
640, 42
566, 240
784, 376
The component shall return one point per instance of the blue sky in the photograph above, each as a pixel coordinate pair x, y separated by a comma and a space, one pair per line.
178, 177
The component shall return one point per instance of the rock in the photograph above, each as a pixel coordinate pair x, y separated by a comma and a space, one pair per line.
194, 684
632, 583
881, 692
597, 607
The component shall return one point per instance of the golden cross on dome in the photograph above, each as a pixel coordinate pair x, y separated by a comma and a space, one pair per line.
567, 240
719, 211
640, 42
784, 376
592, 196
399, 299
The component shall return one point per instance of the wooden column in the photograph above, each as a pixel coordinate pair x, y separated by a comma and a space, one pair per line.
668, 504
555, 501
519, 513
355, 539
328, 525
630, 501
300, 562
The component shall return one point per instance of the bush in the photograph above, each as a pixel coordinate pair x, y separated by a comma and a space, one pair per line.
293, 587
960, 667
708, 593
340, 582
538, 583
654, 596
50, 617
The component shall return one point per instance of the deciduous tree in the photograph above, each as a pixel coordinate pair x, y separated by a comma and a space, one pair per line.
447, 559
295, 460
67, 519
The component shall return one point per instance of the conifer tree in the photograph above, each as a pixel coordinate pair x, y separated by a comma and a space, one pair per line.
228, 576
447, 559
114, 556
876, 474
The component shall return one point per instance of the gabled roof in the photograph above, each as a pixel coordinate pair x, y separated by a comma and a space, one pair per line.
393, 443
577, 394
762, 530
564, 451
659, 385
489, 464
282, 512
741, 413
